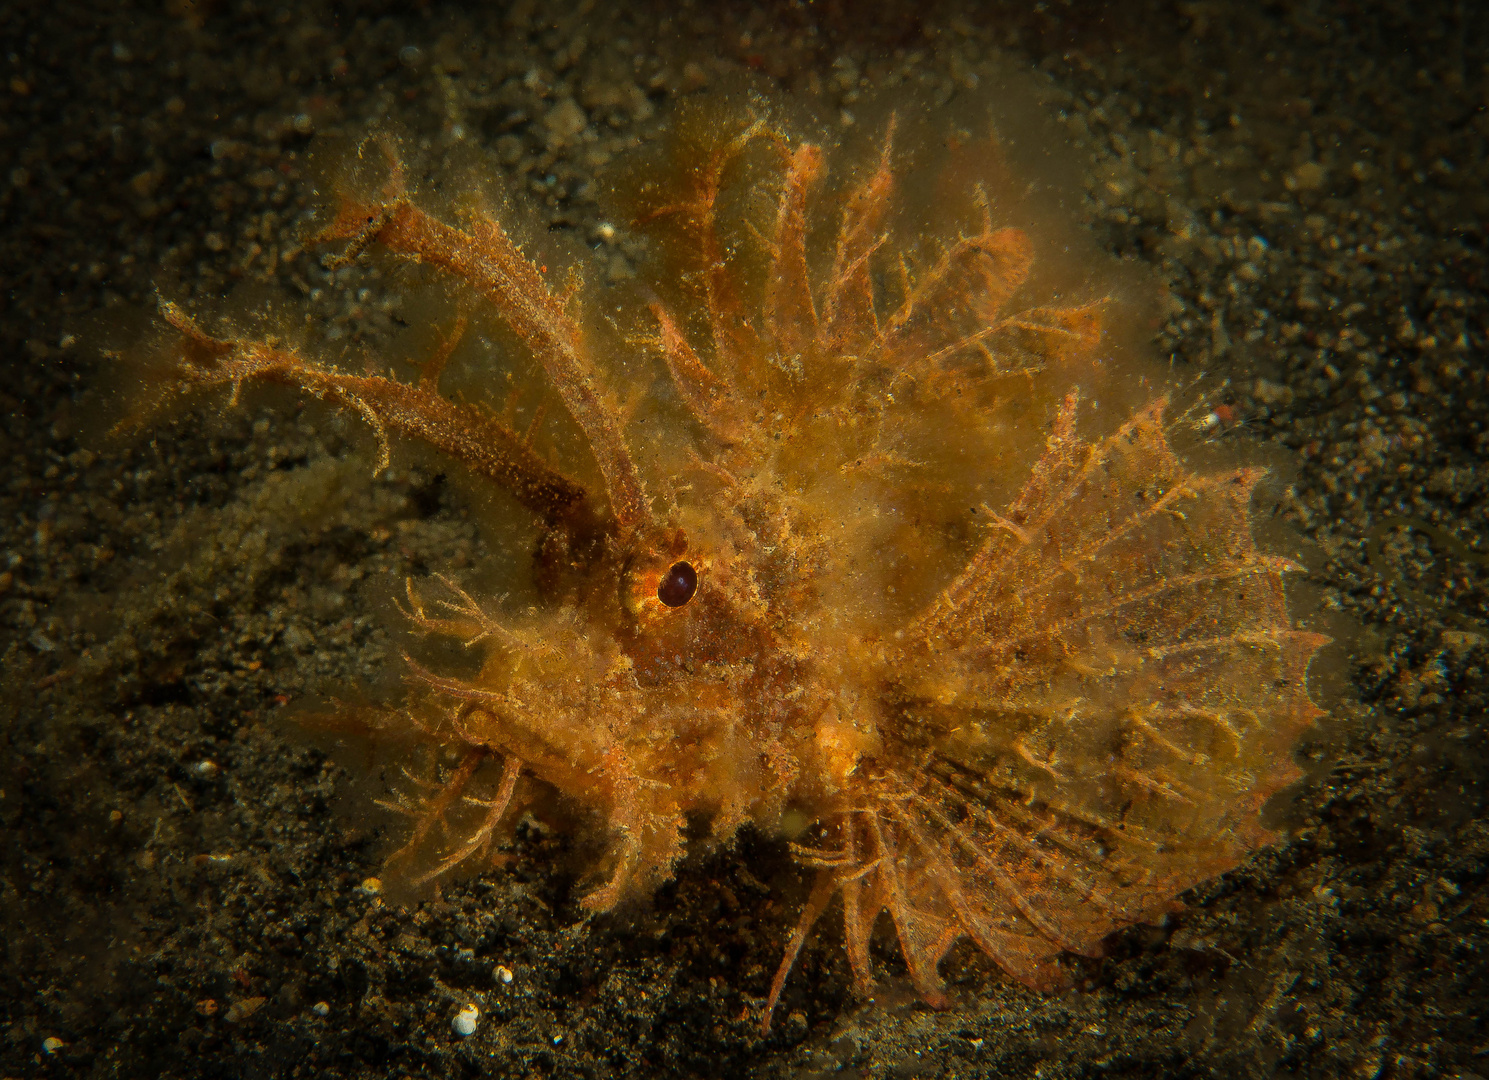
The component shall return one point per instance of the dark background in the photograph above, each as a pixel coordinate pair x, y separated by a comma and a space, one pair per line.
183, 878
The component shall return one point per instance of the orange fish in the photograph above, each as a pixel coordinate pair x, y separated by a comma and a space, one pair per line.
783, 587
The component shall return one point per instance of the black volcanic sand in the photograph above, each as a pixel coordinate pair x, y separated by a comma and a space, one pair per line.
185, 885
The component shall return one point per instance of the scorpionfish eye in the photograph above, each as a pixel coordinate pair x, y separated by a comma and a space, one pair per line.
678, 585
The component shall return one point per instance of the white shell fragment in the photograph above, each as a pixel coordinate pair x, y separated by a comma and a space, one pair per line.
466, 1020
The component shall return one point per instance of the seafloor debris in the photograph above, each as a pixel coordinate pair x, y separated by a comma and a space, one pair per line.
466, 1020
854, 568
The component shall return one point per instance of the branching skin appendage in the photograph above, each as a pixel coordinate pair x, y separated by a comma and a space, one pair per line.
1028, 716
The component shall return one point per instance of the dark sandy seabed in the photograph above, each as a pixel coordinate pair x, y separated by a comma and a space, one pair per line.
184, 880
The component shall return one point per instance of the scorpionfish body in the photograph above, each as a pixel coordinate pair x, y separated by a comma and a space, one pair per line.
839, 562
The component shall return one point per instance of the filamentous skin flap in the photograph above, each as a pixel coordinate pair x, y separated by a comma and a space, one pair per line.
848, 557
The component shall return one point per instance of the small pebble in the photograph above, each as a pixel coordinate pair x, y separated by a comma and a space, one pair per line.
565, 120
321, 1008
465, 1021
240, 1011
52, 1044
503, 974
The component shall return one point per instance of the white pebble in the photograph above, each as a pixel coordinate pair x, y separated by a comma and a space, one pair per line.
465, 1021
321, 1008
503, 974
52, 1045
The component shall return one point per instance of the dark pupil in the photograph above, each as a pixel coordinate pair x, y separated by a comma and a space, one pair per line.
678, 585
